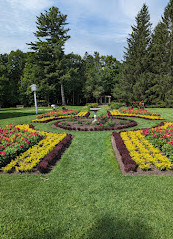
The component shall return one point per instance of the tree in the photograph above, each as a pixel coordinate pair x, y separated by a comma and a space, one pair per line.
11, 70
94, 77
51, 37
160, 85
136, 56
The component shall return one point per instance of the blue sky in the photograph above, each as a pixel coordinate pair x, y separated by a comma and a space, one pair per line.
96, 25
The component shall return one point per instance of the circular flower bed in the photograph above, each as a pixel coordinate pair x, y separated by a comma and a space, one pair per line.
102, 123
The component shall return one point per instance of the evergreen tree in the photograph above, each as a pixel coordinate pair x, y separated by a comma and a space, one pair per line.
160, 85
136, 57
49, 48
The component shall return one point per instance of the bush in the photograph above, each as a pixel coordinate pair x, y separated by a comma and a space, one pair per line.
115, 105
91, 105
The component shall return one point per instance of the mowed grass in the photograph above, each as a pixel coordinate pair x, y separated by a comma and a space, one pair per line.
85, 195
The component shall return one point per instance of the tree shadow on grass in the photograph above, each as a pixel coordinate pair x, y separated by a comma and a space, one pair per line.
6, 115
114, 228
108, 227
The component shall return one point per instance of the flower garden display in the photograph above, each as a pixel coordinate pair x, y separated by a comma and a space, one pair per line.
102, 123
50, 116
139, 113
147, 149
40, 156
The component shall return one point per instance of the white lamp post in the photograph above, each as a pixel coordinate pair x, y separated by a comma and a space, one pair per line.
35, 88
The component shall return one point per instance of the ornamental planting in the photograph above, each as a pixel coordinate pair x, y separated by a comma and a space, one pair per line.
32, 157
148, 148
139, 113
67, 114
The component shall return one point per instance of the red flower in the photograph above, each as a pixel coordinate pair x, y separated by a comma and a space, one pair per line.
3, 153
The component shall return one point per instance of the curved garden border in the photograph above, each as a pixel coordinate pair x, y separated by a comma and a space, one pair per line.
56, 118
132, 124
140, 117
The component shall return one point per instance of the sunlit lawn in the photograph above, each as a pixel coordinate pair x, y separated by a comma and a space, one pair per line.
85, 195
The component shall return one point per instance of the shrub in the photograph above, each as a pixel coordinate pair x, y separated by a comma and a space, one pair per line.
91, 105
115, 105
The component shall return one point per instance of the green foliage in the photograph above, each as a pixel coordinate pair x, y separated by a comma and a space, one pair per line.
92, 105
101, 75
49, 53
136, 57
167, 149
11, 70
115, 105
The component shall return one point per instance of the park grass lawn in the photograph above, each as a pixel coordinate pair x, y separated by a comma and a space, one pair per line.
85, 195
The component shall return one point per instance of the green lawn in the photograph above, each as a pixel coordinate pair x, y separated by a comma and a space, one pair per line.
85, 195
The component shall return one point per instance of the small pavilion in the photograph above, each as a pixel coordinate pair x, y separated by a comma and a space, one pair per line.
104, 100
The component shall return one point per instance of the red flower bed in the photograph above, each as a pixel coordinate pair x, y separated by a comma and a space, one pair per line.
14, 141
99, 128
57, 113
52, 157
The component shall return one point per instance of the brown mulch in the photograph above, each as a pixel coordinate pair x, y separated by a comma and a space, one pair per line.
153, 171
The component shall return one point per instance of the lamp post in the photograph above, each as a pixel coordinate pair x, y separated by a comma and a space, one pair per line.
35, 88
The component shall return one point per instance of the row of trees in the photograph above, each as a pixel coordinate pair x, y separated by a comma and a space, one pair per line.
148, 67
61, 78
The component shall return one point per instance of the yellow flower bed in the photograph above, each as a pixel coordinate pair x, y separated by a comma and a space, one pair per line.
143, 152
43, 119
80, 114
118, 113
30, 158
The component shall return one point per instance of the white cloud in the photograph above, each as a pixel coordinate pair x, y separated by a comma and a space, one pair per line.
31, 4
96, 25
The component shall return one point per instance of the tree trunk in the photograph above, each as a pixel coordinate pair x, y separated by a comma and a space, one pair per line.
62, 95
73, 97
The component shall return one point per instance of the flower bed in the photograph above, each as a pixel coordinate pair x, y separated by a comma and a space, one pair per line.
14, 140
161, 138
138, 113
134, 145
42, 155
51, 118
57, 113
103, 123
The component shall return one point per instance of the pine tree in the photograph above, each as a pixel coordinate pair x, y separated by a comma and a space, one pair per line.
160, 85
49, 47
136, 57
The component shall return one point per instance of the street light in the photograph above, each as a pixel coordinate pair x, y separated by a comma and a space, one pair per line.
35, 88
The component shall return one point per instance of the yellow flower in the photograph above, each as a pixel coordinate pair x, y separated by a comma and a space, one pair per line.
30, 158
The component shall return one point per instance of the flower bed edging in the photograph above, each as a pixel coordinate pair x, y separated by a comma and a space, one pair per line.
140, 117
61, 117
51, 158
129, 163
131, 124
